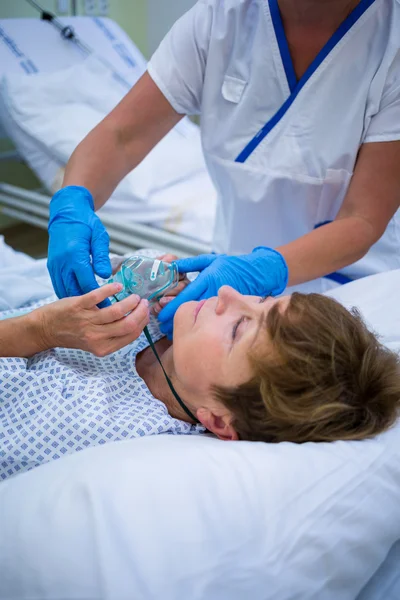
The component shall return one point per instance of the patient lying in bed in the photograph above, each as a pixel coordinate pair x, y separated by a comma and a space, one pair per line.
296, 368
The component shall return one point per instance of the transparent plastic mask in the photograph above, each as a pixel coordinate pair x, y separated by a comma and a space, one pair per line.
146, 277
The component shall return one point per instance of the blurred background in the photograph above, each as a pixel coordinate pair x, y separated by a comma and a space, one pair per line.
145, 21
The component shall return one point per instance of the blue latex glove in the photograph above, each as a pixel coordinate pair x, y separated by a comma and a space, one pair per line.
76, 236
264, 272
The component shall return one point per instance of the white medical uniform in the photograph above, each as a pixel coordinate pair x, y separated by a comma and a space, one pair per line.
281, 152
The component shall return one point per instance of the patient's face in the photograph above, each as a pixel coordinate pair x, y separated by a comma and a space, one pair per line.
212, 339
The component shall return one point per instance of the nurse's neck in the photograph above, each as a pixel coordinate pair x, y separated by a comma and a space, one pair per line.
309, 24
310, 13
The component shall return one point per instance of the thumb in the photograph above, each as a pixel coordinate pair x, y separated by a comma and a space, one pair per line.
100, 251
195, 263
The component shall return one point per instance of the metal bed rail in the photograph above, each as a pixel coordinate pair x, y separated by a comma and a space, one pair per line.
10, 155
33, 207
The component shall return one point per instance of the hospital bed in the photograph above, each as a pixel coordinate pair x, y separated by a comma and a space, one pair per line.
197, 518
52, 93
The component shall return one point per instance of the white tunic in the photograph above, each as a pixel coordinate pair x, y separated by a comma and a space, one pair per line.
282, 152
63, 401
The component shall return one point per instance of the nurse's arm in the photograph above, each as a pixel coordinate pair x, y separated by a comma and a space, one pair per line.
121, 140
371, 201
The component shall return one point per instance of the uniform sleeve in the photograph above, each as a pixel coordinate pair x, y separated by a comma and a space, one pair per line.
178, 65
384, 126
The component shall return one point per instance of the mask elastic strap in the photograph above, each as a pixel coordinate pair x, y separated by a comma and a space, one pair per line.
171, 387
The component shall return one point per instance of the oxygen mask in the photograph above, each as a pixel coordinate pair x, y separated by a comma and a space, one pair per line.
147, 277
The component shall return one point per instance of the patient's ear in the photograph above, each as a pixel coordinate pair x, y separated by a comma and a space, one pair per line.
218, 425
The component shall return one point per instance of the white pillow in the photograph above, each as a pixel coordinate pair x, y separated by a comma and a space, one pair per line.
377, 297
385, 584
179, 517
23, 280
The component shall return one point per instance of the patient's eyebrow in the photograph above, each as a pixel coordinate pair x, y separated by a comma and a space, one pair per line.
260, 323
262, 319
259, 326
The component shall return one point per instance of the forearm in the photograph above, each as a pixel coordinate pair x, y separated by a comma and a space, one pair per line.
21, 336
327, 249
98, 164
121, 141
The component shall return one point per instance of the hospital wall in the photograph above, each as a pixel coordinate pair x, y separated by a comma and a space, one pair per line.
130, 14
145, 21
161, 15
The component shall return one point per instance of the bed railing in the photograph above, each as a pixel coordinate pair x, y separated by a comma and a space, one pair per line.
33, 208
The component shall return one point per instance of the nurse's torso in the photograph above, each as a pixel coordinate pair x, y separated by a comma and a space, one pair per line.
282, 152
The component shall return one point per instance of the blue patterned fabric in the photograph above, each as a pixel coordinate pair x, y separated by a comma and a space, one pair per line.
63, 401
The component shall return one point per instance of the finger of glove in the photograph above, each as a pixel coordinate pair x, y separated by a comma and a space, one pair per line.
76, 291
100, 251
57, 281
192, 292
167, 328
54, 269
71, 284
104, 304
87, 282
195, 263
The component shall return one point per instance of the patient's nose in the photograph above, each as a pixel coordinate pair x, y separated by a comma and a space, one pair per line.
227, 296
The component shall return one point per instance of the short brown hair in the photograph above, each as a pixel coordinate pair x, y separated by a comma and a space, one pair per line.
322, 376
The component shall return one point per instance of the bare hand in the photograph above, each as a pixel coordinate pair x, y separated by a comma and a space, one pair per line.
77, 322
183, 282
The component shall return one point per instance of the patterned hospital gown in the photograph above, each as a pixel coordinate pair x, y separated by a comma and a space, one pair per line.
63, 401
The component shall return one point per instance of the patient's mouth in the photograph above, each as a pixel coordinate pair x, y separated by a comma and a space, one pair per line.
198, 308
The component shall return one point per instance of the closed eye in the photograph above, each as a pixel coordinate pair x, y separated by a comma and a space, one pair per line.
236, 326
240, 321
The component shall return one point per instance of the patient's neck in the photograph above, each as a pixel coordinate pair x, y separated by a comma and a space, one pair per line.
149, 370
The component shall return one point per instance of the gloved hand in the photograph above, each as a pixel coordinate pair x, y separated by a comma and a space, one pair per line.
264, 272
76, 236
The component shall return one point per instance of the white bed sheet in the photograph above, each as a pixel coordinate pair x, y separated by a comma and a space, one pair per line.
200, 518
23, 280
47, 112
